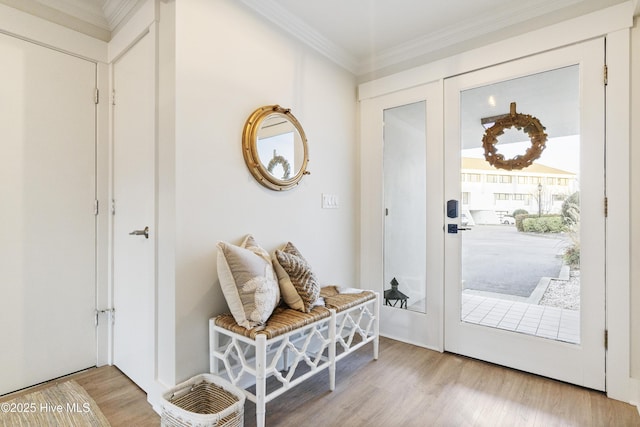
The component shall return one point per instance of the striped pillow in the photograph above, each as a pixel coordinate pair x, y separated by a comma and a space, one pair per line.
298, 284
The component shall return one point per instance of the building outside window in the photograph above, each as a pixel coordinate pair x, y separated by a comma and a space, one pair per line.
483, 192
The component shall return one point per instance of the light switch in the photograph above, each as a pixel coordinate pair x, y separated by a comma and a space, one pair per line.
329, 201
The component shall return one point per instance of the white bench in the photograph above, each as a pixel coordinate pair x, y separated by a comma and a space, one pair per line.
293, 346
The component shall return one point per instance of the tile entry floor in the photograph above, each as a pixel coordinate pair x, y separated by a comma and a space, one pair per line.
542, 321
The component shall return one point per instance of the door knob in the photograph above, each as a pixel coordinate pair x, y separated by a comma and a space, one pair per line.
144, 233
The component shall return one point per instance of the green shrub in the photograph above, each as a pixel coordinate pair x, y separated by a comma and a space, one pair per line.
572, 255
571, 211
519, 212
543, 224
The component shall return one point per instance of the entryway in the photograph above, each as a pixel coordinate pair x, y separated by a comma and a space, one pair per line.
477, 252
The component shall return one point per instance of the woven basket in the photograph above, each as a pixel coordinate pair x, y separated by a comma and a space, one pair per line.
203, 401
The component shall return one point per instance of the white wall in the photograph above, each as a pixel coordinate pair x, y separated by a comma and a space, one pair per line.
228, 63
635, 201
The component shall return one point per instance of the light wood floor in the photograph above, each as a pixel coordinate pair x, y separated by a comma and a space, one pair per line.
408, 386
119, 398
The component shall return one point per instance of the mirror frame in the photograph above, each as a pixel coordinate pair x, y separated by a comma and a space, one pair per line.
250, 148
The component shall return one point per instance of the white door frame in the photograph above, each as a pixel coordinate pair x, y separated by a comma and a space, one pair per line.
614, 23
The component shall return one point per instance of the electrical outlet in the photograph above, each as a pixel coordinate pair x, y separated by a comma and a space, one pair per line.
329, 201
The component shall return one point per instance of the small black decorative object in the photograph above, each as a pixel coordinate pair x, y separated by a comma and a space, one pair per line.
393, 295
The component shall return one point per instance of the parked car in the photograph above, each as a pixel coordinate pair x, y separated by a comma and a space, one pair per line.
508, 220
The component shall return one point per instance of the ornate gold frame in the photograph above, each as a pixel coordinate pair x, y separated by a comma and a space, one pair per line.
250, 149
528, 124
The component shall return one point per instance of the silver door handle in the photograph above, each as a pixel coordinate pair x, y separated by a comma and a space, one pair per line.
144, 233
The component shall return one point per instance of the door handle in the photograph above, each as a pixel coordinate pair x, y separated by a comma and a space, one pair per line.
144, 233
453, 228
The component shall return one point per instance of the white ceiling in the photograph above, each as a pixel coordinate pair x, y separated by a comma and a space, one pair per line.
363, 36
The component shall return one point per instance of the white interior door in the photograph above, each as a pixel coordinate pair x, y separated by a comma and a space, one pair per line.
501, 278
403, 131
47, 220
134, 195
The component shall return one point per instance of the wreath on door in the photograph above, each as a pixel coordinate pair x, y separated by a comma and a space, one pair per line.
528, 124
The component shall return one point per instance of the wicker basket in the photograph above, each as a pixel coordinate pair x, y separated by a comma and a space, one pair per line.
203, 401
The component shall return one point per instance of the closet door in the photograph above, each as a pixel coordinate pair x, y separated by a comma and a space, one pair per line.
134, 231
47, 220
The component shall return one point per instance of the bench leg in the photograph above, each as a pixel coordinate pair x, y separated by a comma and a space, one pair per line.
261, 380
332, 351
376, 327
214, 342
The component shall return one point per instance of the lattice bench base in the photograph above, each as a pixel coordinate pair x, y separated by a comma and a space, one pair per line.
293, 346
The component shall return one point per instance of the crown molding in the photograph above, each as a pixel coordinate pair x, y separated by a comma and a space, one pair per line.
303, 32
115, 11
104, 15
87, 11
463, 31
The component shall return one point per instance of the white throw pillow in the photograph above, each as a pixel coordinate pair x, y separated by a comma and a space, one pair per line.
248, 283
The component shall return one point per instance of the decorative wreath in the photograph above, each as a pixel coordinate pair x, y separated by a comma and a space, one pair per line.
279, 160
525, 122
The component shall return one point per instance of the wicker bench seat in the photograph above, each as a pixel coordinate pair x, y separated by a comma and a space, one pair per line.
293, 346
282, 320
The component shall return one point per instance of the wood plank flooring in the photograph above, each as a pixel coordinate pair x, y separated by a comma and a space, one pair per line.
408, 386
411, 386
119, 398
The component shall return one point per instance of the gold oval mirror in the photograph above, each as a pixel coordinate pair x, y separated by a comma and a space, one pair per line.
275, 147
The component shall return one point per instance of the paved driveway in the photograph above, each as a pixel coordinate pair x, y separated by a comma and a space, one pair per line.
497, 258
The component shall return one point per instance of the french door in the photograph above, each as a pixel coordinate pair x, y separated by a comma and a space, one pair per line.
524, 251
403, 131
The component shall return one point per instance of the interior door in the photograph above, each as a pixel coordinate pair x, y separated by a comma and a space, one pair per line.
47, 220
524, 272
404, 129
134, 219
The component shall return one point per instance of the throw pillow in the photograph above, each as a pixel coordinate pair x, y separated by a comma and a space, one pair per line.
298, 284
248, 283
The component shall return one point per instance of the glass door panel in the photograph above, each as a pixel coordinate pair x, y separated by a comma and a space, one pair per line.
520, 256
405, 204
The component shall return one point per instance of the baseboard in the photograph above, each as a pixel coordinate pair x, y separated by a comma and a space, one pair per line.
155, 399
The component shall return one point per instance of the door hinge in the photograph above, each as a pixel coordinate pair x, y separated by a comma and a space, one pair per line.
113, 97
606, 207
96, 207
606, 74
606, 339
96, 96
111, 312
113, 206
